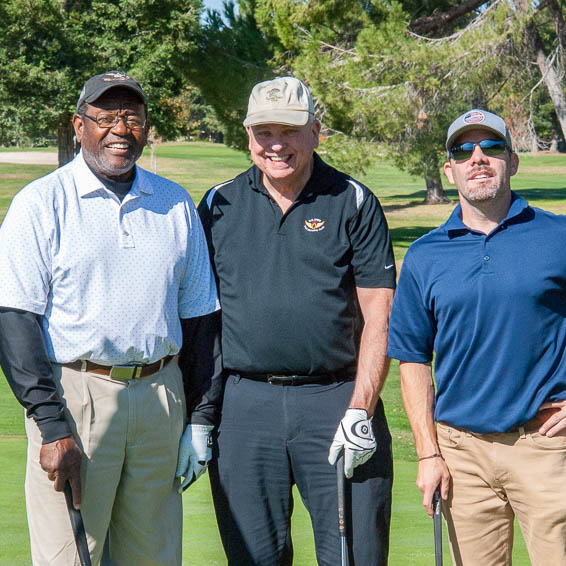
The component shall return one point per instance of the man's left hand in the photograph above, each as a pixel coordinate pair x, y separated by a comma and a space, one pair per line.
355, 437
556, 424
195, 452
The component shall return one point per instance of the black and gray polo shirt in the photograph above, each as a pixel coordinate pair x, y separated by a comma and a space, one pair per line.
287, 282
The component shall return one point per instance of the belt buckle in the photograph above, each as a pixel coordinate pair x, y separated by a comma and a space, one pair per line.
123, 373
281, 379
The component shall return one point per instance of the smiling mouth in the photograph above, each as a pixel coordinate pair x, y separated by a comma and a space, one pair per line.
480, 175
279, 159
118, 145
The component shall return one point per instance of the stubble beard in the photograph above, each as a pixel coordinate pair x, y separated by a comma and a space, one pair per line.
481, 194
102, 166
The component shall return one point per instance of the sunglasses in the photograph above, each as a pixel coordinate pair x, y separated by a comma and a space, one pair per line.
489, 147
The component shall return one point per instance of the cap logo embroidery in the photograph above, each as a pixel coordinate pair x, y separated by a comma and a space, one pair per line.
314, 225
115, 77
273, 95
474, 117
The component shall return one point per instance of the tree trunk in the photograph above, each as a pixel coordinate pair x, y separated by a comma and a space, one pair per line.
554, 86
152, 158
559, 24
434, 191
65, 140
549, 74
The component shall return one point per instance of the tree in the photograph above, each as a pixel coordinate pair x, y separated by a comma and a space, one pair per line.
198, 118
381, 87
550, 66
48, 48
232, 55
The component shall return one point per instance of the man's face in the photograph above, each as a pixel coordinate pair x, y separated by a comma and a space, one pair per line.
111, 152
481, 177
283, 153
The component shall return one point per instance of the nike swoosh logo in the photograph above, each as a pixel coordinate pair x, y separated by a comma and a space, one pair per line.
389, 266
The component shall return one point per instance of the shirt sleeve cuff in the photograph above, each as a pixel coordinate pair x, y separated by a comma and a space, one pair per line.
54, 430
405, 356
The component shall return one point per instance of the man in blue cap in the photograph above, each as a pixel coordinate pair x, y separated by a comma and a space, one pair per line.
486, 293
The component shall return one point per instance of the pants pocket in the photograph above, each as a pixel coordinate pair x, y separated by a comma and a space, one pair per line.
450, 437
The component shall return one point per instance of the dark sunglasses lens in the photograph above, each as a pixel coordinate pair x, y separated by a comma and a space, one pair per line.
488, 147
492, 147
461, 152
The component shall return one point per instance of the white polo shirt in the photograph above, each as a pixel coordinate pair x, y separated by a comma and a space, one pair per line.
111, 279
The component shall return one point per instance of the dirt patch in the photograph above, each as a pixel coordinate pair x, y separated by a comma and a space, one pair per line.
29, 157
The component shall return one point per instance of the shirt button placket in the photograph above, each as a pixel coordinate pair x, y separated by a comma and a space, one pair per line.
125, 236
487, 260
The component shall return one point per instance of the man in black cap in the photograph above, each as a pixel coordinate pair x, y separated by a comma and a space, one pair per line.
105, 276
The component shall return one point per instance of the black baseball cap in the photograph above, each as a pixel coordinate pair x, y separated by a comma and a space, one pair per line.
99, 84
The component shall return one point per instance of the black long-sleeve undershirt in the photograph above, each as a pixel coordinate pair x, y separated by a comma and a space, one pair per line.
200, 361
27, 368
24, 360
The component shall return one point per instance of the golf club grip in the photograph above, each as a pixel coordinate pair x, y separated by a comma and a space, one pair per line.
340, 484
437, 518
78, 528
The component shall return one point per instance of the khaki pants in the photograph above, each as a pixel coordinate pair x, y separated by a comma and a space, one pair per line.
129, 433
495, 478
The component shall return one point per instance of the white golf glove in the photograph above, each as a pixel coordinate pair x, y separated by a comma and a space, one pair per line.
355, 437
195, 451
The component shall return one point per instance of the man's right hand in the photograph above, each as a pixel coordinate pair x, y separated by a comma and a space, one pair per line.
433, 472
61, 460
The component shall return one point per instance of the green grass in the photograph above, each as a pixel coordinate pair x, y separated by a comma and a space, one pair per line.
198, 166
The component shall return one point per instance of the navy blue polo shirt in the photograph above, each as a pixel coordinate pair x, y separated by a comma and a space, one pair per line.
287, 282
493, 310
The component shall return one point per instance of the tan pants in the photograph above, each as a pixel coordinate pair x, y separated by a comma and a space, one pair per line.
129, 433
495, 478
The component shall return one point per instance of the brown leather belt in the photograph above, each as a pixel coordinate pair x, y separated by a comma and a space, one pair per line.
536, 422
122, 373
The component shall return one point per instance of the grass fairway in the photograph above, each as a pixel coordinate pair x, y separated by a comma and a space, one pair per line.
198, 166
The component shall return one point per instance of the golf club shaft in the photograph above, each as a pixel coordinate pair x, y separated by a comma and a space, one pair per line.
78, 528
437, 518
340, 482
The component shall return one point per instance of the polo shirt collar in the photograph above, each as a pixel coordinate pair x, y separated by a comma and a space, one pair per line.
455, 224
87, 182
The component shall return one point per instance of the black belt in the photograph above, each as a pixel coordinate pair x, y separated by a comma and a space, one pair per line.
322, 379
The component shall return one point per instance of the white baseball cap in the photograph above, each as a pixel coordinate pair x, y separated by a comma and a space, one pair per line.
285, 100
478, 120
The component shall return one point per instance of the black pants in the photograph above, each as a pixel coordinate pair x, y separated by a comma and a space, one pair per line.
272, 437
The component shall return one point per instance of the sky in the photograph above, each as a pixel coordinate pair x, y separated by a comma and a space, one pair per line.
213, 4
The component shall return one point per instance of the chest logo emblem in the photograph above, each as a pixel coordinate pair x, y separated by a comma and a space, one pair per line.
314, 225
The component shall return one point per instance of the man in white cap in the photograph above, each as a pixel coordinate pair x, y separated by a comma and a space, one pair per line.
486, 293
306, 274
105, 275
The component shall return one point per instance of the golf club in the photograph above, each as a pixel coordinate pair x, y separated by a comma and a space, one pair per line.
341, 480
437, 518
78, 528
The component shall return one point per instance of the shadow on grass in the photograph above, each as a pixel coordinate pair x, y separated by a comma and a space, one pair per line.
417, 198
533, 195
406, 235
414, 199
